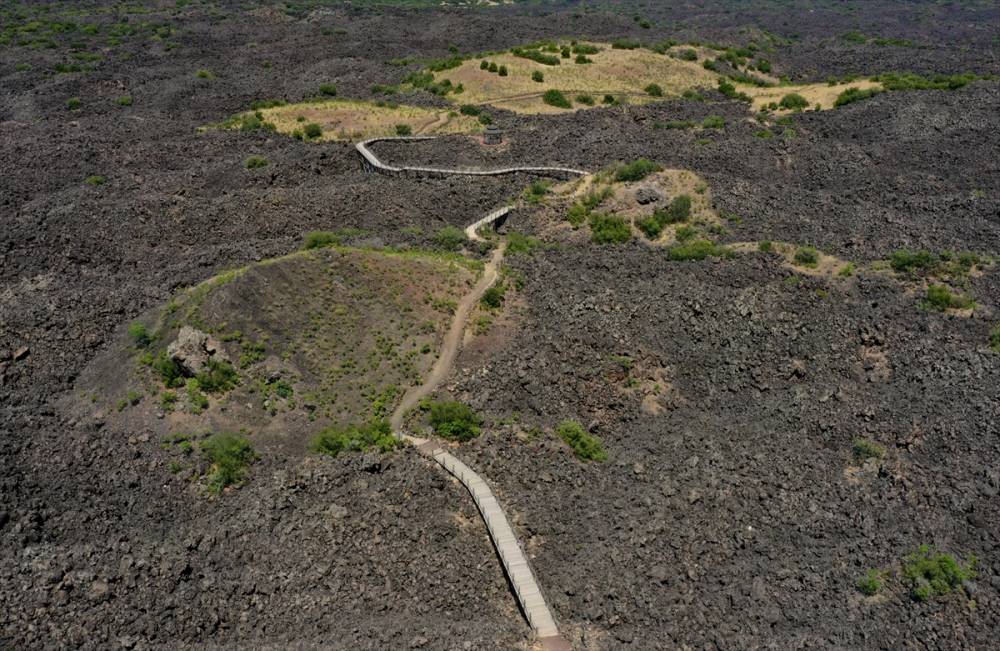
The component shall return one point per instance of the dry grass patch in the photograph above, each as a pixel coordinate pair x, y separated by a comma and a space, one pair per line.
821, 93
342, 119
825, 265
623, 73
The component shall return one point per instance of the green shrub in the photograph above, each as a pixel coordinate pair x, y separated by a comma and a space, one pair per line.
867, 449
537, 76
469, 109
650, 226
204, 74
765, 246
654, 90
609, 100
484, 65
687, 54
585, 445
553, 97
931, 573
940, 298
320, 239
855, 94
450, 238
502, 71
253, 162
493, 297
140, 336
124, 100
847, 271
713, 122
693, 95
565, 53
793, 101
73, 103
94, 180
911, 81
518, 243
905, 261
168, 369
312, 130
685, 233
582, 59
536, 56
764, 133
609, 229
676, 212
577, 214
375, 434
454, 421
807, 256
217, 377
583, 48
624, 44
696, 250
870, 583
763, 65
995, 338
229, 456
535, 192
636, 170
196, 399
594, 199
328, 89
403, 130
587, 100
493, 67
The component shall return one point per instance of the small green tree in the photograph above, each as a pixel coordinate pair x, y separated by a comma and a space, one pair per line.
537, 76
450, 238
454, 421
585, 445
654, 90
553, 97
403, 130
312, 130
328, 89
793, 101
229, 456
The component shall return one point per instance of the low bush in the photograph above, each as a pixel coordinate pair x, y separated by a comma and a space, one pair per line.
319, 239
855, 94
492, 67
536, 56
765, 246
484, 65
932, 573
229, 456
493, 297
217, 377
871, 582
469, 109
625, 44
696, 250
650, 226
196, 399
124, 100
583, 48
793, 101
582, 59
404, 130
585, 445
140, 335
713, 122
863, 448
328, 89
519, 243
940, 298
94, 180
484, 118
685, 233
553, 97
73, 103
654, 90
693, 95
450, 238
676, 212
253, 162
169, 371
537, 76
995, 338
502, 71
587, 100
375, 434
577, 214
204, 74
730, 91
905, 261
454, 421
806, 256
687, 54
312, 130
609, 229
911, 81
636, 170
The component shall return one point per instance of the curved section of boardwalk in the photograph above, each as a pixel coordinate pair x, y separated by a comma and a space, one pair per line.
515, 563
372, 163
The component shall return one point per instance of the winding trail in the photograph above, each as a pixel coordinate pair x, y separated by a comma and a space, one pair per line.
515, 563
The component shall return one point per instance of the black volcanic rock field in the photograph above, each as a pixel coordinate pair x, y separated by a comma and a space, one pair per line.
735, 509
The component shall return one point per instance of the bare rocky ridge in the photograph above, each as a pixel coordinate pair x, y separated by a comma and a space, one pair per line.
104, 549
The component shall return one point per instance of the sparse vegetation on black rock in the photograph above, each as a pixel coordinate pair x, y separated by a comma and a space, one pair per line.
450, 238
375, 434
609, 229
934, 574
229, 456
585, 445
636, 170
454, 421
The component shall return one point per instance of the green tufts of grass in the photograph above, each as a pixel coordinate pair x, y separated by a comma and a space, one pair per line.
995, 338
229, 456
696, 250
450, 238
454, 421
806, 256
217, 377
940, 298
609, 229
312, 130
871, 582
124, 100
654, 90
854, 95
585, 445
320, 239
867, 449
254, 162
204, 74
140, 335
375, 434
519, 243
554, 97
94, 180
793, 101
493, 297
933, 574
713, 122
329, 90
636, 170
